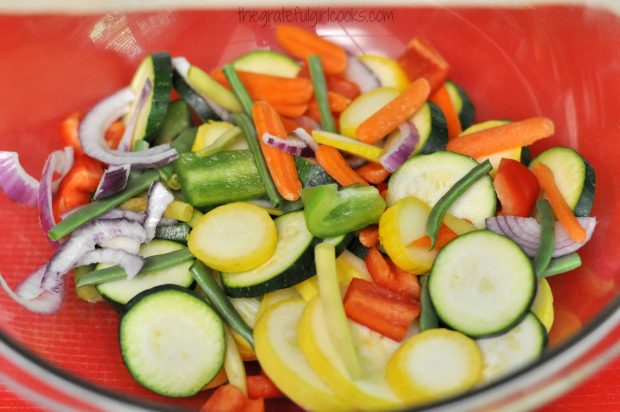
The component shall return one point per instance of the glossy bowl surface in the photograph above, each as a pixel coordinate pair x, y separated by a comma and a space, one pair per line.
558, 61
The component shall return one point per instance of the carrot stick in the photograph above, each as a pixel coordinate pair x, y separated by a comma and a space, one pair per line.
393, 114
289, 124
281, 165
558, 203
343, 86
114, 134
290, 110
334, 164
369, 236
373, 172
503, 137
443, 237
337, 102
313, 112
302, 44
442, 99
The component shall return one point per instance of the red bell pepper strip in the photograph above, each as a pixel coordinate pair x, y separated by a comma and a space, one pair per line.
76, 186
260, 386
390, 277
369, 236
420, 59
516, 187
229, 398
386, 312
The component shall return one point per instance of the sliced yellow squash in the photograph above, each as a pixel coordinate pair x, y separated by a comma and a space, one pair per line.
387, 70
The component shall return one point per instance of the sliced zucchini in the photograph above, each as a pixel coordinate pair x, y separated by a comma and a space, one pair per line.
364, 106
573, 175
268, 62
495, 158
155, 69
213, 132
210, 89
482, 284
176, 121
177, 232
291, 263
193, 98
519, 346
434, 364
429, 177
387, 70
172, 341
431, 125
123, 290
462, 103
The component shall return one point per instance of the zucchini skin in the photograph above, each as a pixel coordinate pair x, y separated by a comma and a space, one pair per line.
584, 204
177, 232
162, 85
438, 138
467, 114
195, 101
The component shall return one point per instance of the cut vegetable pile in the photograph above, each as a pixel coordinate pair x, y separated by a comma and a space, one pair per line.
340, 219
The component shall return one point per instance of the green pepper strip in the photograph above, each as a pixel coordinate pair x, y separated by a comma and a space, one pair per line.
320, 91
151, 264
138, 183
448, 199
428, 316
238, 88
562, 265
221, 303
245, 122
547, 237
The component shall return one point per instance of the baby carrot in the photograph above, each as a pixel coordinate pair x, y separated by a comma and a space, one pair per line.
442, 99
281, 165
393, 114
373, 172
302, 44
291, 110
558, 203
369, 236
503, 137
337, 167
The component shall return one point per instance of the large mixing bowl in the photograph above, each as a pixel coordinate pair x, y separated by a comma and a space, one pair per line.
556, 60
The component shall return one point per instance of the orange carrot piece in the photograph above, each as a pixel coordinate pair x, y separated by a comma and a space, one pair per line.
289, 124
443, 237
273, 89
561, 209
313, 112
114, 134
421, 59
69, 132
337, 102
337, 167
393, 114
369, 236
503, 137
291, 110
302, 44
343, 86
442, 99
281, 165
373, 172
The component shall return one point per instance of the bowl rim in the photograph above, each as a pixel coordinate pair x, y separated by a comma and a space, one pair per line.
549, 363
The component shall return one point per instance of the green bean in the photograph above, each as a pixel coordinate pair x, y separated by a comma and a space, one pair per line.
246, 125
448, 199
151, 264
547, 237
238, 88
320, 91
138, 182
562, 264
204, 278
428, 316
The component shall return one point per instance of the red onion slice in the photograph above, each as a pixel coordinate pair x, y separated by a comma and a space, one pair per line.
399, 146
526, 232
305, 137
30, 295
159, 200
96, 122
114, 180
58, 162
181, 66
361, 74
291, 146
82, 241
18, 185
130, 263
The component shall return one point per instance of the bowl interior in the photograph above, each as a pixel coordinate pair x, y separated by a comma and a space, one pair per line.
561, 62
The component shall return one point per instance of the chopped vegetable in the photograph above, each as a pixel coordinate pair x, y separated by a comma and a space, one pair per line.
320, 92
400, 148
363, 107
367, 151
330, 212
238, 88
229, 398
203, 106
516, 187
442, 99
18, 185
291, 146
59, 161
260, 386
32, 296
382, 310
503, 137
213, 90
428, 316
390, 277
560, 208
387, 70
337, 167
421, 59
233, 364
130, 263
361, 74
393, 114
460, 187
373, 173
562, 264
114, 180
303, 44
369, 236
547, 237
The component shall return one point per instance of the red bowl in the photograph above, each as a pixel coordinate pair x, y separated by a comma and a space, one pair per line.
557, 61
